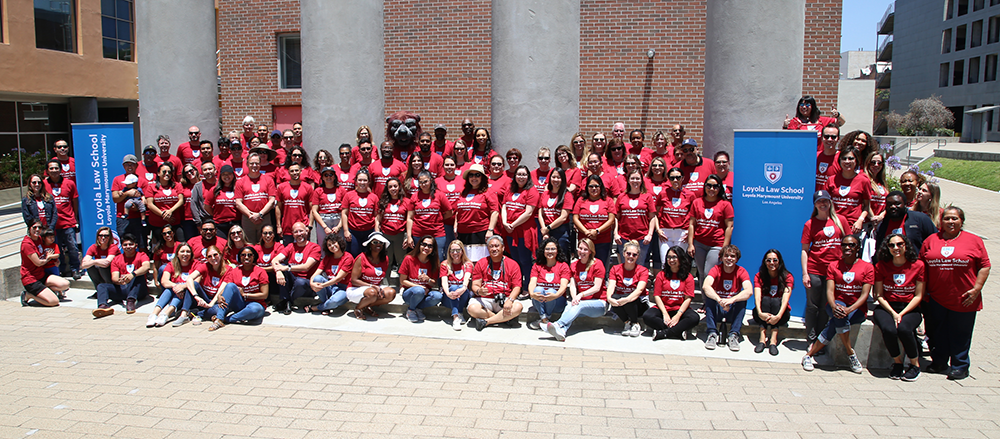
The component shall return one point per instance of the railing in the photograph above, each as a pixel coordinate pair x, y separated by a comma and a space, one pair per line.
886, 46
885, 17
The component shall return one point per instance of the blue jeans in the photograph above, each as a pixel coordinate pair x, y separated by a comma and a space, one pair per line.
66, 239
546, 309
643, 252
449, 236
294, 287
133, 226
714, 315
522, 255
241, 309
133, 290
358, 238
590, 308
603, 252
841, 325
951, 335
418, 297
457, 305
330, 297
167, 297
562, 235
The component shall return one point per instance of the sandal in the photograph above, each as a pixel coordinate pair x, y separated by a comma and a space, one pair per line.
216, 324
371, 311
308, 309
360, 315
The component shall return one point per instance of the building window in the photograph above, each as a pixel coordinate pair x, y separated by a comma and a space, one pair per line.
958, 73
963, 7
290, 61
949, 9
55, 25
991, 68
960, 37
943, 76
118, 24
974, 70
993, 34
946, 41
978, 4
976, 39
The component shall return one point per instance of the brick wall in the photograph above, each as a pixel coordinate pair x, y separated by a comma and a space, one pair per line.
437, 59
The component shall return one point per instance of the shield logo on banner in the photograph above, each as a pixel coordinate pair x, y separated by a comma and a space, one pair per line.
727, 285
56, 191
627, 281
343, 177
772, 172
694, 176
230, 194
403, 155
823, 166
675, 284
594, 208
899, 279
386, 171
426, 203
849, 277
255, 187
294, 193
451, 187
676, 202
947, 251
844, 190
298, 257
167, 192
196, 153
470, 197
331, 197
633, 203
583, 275
828, 231
657, 189
245, 280
378, 271
549, 277
266, 258
149, 176
362, 202
708, 212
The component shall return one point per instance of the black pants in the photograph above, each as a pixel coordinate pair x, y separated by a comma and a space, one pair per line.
893, 335
950, 335
653, 318
815, 317
771, 305
631, 311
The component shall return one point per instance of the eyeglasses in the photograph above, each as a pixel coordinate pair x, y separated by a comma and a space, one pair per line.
770, 260
897, 245
266, 233
104, 235
669, 257
579, 141
618, 148
467, 125
596, 139
656, 165
168, 232
675, 178
593, 186
805, 104
830, 137
876, 162
35, 182
192, 133
676, 131
427, 244
207, 230
712, 185
545, 159
296, 155
849, 245
234, 233
36, 227
288, 137
512, 158
61, 146
722, 162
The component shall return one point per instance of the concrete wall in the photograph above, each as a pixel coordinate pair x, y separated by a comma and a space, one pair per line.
857, 104
852, 61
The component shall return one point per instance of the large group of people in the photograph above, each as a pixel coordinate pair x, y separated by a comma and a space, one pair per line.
227, 229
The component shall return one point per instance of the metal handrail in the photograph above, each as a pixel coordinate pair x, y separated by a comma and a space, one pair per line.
885, 17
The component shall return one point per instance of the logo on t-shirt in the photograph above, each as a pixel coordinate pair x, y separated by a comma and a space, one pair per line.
899, 278
255, 187
947, 251
657, 189
594, 208
167, 192
426, 202
469, 197
394, 208
515, 196
294, 193
828, 231
849, 277
583, 275
343, 177
627, 281
496, 274
246, 280
675, 201
451, 187
823, 166
633, 203
694, 176
298, 257
675, 284
230, 194
708, 212
549, 277
551, 202
844, 190
362, 202
331, 197
727, 285
378, 271
56, 191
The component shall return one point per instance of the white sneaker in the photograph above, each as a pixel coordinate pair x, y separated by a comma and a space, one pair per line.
636, 330
855, 364
151, 321
807, 363
712, 341
557, 331
161, 319
456, 323
627, 330
420, 315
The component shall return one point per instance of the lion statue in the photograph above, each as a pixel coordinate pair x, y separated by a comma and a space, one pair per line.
403, 128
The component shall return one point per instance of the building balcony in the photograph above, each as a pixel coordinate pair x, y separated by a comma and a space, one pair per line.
885, 50
881, 102
884, 26
884, 80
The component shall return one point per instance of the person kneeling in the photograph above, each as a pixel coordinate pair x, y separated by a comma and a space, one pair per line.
496, 281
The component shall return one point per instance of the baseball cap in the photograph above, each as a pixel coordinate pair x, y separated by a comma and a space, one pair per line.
130, 158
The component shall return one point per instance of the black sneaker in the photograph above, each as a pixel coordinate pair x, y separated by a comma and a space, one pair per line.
480, 324
896, 372
759, 348
535, 325
958, 374
938, 368
78, 274
912, 373
659, 335
773, 350
24, 298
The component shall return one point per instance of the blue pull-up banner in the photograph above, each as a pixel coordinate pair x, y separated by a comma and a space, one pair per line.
774, 175
99, 149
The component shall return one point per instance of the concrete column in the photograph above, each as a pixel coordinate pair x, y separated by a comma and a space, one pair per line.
178, 79
535, 75
343, 72
753, 67
968, 124
83, 110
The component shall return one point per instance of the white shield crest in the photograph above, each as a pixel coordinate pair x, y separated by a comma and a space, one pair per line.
849, 277
772, 172
947, 251
450, 187
149, 176
378, 271
167, 192
496, 274
203, 252
343, 177
394, 208
333, 269
403, 155
298, 257
694, 176
130, 267
583, 275
265, 258
255, 187
727, 285
823, 166
828, 231
515, 196
675, 284
594, 208
239, 171
633, 204
469, 197
898, 230
427, 165
331, 197
294, 193
362, 202
65, 166
184, 276
676, 202
541, 179
657, 189
458, 274
549, 277
708, 212
195, 153
170, 256
844, 190
56, 191
478, 159
627, 281
421, 272
230, 194
551, 202
899, 278
426, 202
245, 280
774, 290
386, 171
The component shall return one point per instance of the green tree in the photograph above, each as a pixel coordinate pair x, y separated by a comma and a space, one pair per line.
926, 116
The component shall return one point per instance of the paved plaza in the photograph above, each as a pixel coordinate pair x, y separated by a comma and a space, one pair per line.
64, 374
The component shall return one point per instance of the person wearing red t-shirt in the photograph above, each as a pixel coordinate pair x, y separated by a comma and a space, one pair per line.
244, 291
631, 163
821, 237
297, 156
662, 149
208, 238
165, 252
433, 163
293, 203
174, 294
128, 277
496, 283
711, 226
636, 215
587, 294
190, 151
163, 142
428, 210
850, 190
128, 220
385, 168
848, 283
462, 162
549, 282
636, 139
672, 316
480, 146
326, 203
66, 199
451, 186
456, 277
330, 279
594, 216
875, 171
293, 266
694, 167
440, 145
566, 161
220, 203
541, 174
393, 208
370, 268
97, 260
205, 283
772, 286
516, 210
898, 291
255, 196
673, 207
957, 269
419, 274
477, 211
827, 164
807, 117
268, 248
39, 286
497, 179
726, 289
359, 215
608, 179
627, 289
146, 171
345, 169
555, 205
165, 202
67, 164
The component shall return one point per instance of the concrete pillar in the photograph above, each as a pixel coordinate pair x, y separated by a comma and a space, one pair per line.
753, 67
178, 79
83, 110
968, 124
535, 74
343, 72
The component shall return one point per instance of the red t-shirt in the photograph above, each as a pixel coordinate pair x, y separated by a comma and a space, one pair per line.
540, 179
294, 205
249, 281
164, 254
296, 255
727, 285
456, 274
877, 203
164, 198
199, 247
672, 291
215, 161
694, 176
412, 268
848, 281
585, 279
452, 190
710, 221
188, 152
434, 164
254, 193
825, 168
97, 253
210, 279
849, 194
329, 200
823, 238
30, 273
516, 204
899, 284
118, 184
443, 147
381, 174
595, 213
182, 276
497, 278
360, 210
428, 213
626, 281
952, 266
223, 204
265, 255
478, 158
633, 215
124, 265
550, 277
499, 187
67, 169
472, 212
346, 178
146, 173
186, 191
332, 265
550, 209
393, 220
776, 288
372, 273
178, 166
673, 208
65, 197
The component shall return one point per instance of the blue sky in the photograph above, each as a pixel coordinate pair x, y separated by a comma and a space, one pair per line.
860, 19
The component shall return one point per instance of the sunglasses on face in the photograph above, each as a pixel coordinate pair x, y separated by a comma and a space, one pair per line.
830, 137
711, 186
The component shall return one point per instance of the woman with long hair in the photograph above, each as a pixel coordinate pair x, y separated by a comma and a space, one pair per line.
326, 203
850, 190
929, 202
671, 315
220, 202
636, 213
393, 209
549, 282
860, 140
627, 289
38, 204
578, 145
44, 288
555, 205
772, 286
419, 274
456, 275
235, 242
164, 200
594, 217
331, 277
588, 296
566, 161
244, 292
875, 171
97, 259
297, 156
174, 295
429, 208
673, 207
808, 117
898, 291
449, 184
821, 237
711, 226
189, 177
516, 211
165, 251
482, 148
414, 166
370, 269
204, 281
267, 249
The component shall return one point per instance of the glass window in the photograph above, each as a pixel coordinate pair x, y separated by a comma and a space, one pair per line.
991, 68
946, 41
994, 30
943, 76
55, 25
963, 7
973, 70
976, 39
290, 61
978, 4
958, 74
118, 28
960, 37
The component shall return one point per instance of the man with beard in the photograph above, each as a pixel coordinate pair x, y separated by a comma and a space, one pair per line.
916, 226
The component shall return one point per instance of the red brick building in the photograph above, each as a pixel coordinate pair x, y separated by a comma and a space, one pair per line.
437, 61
